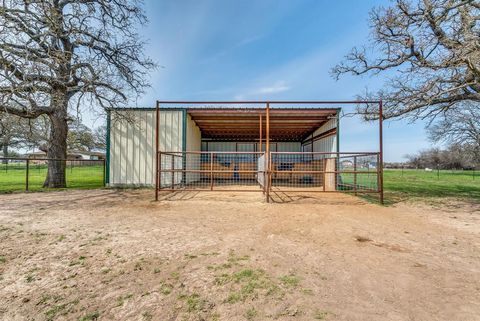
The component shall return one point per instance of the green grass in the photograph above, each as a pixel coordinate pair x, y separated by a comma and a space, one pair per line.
399, 185
420, 183
290, 280
90, 316
251, 313
409, 184
12, 177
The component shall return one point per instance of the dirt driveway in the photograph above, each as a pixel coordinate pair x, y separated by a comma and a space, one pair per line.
116, 255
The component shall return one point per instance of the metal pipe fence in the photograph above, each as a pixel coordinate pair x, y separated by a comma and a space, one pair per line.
281, 171
438, 173
28, 174
208, 171
325, 172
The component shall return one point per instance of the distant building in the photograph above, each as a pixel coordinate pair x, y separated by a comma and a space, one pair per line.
71, 155
87, 155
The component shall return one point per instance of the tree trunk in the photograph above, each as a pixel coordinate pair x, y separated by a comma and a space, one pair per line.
57, 143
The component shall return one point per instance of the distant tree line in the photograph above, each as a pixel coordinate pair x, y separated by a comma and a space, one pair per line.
17, 133
460, 130
453, 157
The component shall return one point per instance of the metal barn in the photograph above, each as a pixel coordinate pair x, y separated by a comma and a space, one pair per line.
266, 147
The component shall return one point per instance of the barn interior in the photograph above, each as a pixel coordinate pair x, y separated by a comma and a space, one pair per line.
226, 146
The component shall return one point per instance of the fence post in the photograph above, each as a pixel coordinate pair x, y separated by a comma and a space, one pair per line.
27, 174
355, 174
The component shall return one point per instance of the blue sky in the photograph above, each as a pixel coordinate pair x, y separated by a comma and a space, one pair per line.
269, 50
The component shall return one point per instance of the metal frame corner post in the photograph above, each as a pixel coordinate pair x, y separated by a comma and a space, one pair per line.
157, 160
260, 150
267, 153
107, 156
184, 147
380, 164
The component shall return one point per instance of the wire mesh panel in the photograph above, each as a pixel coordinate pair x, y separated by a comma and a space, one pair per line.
324, 171
209, 171
254, 171
358, 173
20, 174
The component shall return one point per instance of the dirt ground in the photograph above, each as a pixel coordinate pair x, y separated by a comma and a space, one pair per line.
117, 255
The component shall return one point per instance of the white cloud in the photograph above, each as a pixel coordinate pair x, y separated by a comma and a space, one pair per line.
275, 88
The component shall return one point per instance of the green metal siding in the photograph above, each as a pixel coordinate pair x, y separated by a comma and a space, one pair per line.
107, 165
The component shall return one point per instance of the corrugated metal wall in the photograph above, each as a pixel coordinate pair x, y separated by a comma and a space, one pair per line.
327, 144
289, 147
219, 146
132, 145
331, 124
193, 143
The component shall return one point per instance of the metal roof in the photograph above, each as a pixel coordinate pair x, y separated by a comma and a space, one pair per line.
286, 124
228, 120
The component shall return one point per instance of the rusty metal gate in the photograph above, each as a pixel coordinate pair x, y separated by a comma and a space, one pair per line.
209, 171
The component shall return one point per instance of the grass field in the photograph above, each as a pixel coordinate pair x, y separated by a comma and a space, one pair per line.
419, 183
12, 177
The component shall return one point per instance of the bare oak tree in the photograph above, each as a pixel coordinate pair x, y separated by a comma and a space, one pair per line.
13, 131
17, 132
58, 54
431, 47
459, 127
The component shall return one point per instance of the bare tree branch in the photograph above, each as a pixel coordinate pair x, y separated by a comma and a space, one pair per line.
59, 54
433, 48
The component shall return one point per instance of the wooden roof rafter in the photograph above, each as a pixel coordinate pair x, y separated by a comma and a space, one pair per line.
290, 124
